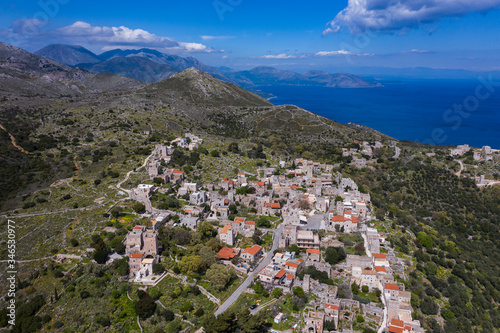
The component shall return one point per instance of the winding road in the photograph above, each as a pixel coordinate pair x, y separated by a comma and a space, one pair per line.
266, 261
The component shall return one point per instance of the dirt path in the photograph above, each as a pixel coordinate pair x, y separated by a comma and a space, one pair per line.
13, 140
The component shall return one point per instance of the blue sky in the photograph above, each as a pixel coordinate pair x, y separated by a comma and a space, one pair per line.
296, 35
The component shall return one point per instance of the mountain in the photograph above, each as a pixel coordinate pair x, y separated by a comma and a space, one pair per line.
174, 61
70, 55
197, 87
266, 76
138, 68
22, 72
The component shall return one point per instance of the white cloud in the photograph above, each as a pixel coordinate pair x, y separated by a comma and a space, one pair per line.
333, 53
395, 15
104, 37
340, 52
205, 37
277, 56
419, 51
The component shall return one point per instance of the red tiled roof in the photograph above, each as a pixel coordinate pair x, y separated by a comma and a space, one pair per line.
289, 276
331, 306
253, 250
368, 272
177, 171
239, 219
393, 329
274, 205
291, 264
249, 222
397, 322
317, 251
295, 187
379, 255
280, 274
225, 229
241, 173
391, 286
348, 212
338, 218
136, 255
380, 269
138, 227
227, 253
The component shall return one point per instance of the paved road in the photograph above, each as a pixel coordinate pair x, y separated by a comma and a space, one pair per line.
398, 151
313, 223
267, 260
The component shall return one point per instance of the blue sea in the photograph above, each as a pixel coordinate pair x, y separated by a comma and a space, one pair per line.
448, 112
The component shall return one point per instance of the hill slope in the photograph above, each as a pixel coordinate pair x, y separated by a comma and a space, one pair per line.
68, 54
197, 87
22, 72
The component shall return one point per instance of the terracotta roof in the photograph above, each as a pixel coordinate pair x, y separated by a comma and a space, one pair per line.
227, 253
379, 255
177, 171
138, 227
368, 272
317, 251
241, 173
393, 329
274, 205
380, 269
391, 286
348, 212
291, 264
338, 218
397, 322
289, 276
249, 222
295, 187
239, 219
253, 250
331, 306
280, 274
225, 229
136, 255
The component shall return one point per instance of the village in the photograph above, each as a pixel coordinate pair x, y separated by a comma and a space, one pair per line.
306, 209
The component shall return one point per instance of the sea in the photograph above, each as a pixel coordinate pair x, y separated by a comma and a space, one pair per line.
445, 112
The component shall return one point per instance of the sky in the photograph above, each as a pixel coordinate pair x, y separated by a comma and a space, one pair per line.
295, 35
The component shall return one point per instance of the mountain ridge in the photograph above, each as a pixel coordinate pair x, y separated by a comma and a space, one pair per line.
161, 66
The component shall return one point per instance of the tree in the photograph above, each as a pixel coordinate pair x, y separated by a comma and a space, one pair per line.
190, 264
364, 289
298, 291
355, 288
256, 237
145, 306
334, 255
277, 292
139, 207
206, 230
294, 248
116, 212
218, 275
425, 240
158, 269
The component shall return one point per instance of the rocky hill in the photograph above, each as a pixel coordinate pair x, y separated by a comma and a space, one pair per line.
197, 87
22, 72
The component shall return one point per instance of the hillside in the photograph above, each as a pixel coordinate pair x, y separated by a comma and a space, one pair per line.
138, 68
70, 55
22, 72
197, 87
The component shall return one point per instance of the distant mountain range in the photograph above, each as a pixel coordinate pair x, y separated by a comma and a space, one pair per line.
24, 73
151, 66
